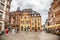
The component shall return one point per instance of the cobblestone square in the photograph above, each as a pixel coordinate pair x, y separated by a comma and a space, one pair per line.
31, 36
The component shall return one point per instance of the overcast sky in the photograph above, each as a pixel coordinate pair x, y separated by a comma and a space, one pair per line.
41, 6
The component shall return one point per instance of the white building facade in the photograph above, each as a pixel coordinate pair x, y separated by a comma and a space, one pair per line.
3, 4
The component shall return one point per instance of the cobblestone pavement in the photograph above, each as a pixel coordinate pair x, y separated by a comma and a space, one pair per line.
31, 36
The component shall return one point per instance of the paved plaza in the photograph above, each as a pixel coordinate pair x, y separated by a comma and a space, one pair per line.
31, 36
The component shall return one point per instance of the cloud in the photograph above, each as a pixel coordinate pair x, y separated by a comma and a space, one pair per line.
41, 6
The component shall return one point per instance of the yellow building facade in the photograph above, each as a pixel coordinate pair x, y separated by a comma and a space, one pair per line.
27, 19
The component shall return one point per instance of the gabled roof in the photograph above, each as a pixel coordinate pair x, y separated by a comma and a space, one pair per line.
30, 11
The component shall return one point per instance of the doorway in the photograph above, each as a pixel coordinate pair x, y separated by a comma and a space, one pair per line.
38, 28
32, 28
21, 28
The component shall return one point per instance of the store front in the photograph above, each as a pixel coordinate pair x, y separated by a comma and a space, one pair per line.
24, 28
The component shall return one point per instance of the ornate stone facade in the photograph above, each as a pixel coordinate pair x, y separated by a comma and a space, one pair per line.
4, 10
54, 13
26, 18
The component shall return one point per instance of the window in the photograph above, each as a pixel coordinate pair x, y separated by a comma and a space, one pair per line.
32, 15
28, 21
25, 17
38, 19
38, 23
28, 16
7, 9
32, 23
8, 3
7, 17
1, 6
22, 17
22, 22
33, 19
0, 16
1, 13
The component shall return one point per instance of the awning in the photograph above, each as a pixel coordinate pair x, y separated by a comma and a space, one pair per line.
52, 26
57, 25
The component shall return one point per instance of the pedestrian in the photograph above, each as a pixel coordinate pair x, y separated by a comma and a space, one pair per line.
13, 30
0, 33
26, 29
17, 29
9, 27
6, 32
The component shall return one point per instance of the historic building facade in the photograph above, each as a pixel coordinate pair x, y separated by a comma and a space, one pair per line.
26, 19
54, 13
7, 13
3, 10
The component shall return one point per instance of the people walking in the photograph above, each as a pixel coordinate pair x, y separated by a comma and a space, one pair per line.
17, 29
26, 30
6, 32
13, 29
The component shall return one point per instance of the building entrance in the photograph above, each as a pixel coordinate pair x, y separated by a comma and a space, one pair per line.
21, 28
32, 28
38, 28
